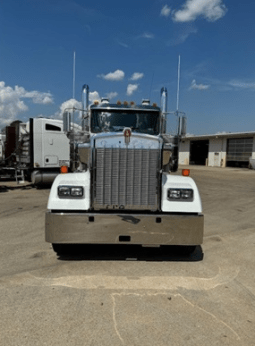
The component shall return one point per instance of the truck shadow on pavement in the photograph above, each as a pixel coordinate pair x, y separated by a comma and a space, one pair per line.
100, 252
7, 188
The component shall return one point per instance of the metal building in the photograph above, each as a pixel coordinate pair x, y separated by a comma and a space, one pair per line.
219, 150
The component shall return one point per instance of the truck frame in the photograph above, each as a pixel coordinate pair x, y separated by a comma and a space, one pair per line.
122, 190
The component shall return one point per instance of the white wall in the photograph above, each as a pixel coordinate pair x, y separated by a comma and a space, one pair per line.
216, 146
184, 150
217, 152
253, 149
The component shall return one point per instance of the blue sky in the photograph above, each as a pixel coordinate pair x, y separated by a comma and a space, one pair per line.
128, 51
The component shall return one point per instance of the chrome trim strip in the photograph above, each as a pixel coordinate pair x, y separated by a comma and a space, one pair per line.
143, 229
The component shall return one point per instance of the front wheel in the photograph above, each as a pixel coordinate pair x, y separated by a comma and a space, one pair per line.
61, 249
188, 249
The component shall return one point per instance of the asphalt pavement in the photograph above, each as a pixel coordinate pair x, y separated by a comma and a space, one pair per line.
127, 295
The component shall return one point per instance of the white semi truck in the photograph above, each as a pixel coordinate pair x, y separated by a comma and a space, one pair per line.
122, 191
2, 140
35, 150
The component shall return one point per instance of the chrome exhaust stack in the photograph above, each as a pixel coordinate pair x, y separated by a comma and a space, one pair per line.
163, 108
85, 97
164, 100
182, 128
85, 106
67, 122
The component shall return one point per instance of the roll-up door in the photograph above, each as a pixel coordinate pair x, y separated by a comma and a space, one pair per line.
239, 150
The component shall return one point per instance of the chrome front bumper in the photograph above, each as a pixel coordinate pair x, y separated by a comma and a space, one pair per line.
143, 229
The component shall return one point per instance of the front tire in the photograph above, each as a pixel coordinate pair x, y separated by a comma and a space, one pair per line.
61, 249
188, 250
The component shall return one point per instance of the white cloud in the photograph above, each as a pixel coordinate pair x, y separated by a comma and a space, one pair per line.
196, 86
111, 95
94, 96
72, 103
36, 96
146, 35
241, 85
136, 76
189, 135
118, 75
165, 11
211, 10
12, 103
122, 44
131, 88
181, 38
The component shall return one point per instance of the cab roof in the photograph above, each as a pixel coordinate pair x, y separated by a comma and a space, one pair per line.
114, 106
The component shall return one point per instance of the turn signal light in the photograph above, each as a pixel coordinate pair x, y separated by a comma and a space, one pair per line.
186, 172
63, 169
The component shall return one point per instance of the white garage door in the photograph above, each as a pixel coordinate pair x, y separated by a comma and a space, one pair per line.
239, 149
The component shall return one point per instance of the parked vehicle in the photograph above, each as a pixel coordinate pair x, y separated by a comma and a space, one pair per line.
35, 150
122, 190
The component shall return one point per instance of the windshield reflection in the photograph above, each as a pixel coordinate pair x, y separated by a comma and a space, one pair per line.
114, 121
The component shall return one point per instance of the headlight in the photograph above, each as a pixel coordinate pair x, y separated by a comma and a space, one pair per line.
70, 191
77, 191
180, 195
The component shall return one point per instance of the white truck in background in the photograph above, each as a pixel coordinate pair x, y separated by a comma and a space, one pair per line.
122, 190
35, 150
2, 141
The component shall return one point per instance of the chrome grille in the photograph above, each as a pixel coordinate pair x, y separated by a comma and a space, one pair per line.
126, 178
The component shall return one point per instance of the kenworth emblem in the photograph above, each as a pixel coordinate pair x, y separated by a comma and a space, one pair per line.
127, 134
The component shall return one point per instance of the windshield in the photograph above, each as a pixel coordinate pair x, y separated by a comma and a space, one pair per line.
113, 121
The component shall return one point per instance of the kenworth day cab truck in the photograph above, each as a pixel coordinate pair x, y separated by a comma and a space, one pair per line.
122, 191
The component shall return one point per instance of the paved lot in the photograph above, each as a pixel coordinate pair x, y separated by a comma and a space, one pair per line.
129, 296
